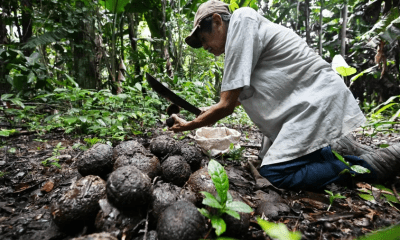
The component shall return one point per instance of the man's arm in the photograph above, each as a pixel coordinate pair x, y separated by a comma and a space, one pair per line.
225, 107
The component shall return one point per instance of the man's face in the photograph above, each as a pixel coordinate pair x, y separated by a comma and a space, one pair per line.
214, 41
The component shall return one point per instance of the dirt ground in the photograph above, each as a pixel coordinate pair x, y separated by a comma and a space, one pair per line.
28, 188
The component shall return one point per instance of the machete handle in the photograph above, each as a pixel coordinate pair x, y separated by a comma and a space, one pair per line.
170, 122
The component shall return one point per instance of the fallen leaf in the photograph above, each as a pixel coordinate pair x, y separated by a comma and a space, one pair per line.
48, 186
371, 214
346, 230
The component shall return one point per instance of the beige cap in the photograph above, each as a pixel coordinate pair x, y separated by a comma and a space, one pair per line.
206, 9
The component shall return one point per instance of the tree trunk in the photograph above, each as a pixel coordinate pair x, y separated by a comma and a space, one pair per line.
133, 24
84, 61
320, 28
308, 38
26, 23
3, 29
343, 31
168, 65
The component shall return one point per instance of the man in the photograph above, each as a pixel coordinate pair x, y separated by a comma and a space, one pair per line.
299, 103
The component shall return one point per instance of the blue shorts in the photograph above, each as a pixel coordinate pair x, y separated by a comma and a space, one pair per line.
314, 171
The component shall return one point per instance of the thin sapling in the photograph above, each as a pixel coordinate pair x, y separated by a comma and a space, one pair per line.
223, 202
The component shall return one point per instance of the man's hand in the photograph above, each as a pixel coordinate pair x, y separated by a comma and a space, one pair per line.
225, 107
179, 124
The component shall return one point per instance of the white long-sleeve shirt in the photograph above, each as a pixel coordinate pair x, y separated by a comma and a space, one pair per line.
289, 92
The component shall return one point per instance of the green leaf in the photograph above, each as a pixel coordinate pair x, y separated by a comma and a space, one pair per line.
367, 197
219, 224
46, 38
229, 197
329, 192
390, 198
360, 169
239, 207
205, 213
101, 122
212, 202
4, 133
114, 6
346, 71
391, 233
340, 158
366, 71
278, 231
83, 118
381, 187
31, 77
341, 67
219, 178
70, 120
138, 86
56, 164
392, 32
232, 213
71, 80
18, 102
382, 24
5, 97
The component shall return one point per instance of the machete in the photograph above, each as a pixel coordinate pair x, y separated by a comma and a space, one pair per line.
172, 97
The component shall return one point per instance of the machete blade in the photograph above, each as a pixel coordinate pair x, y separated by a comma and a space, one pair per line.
171, 96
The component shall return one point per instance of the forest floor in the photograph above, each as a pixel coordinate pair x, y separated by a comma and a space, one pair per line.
28, 188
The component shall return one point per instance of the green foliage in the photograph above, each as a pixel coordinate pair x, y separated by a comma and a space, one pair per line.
51, 161
89, 112
115, 6
46, 38
57, 149
382, 28
234, 154
390, 233
2, 174
332, 198
389, 198
223, 202
12, 150
93, 141
7, 133
24, 73
278, 231
356, 168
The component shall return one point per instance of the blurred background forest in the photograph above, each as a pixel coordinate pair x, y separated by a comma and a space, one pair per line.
80, 65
